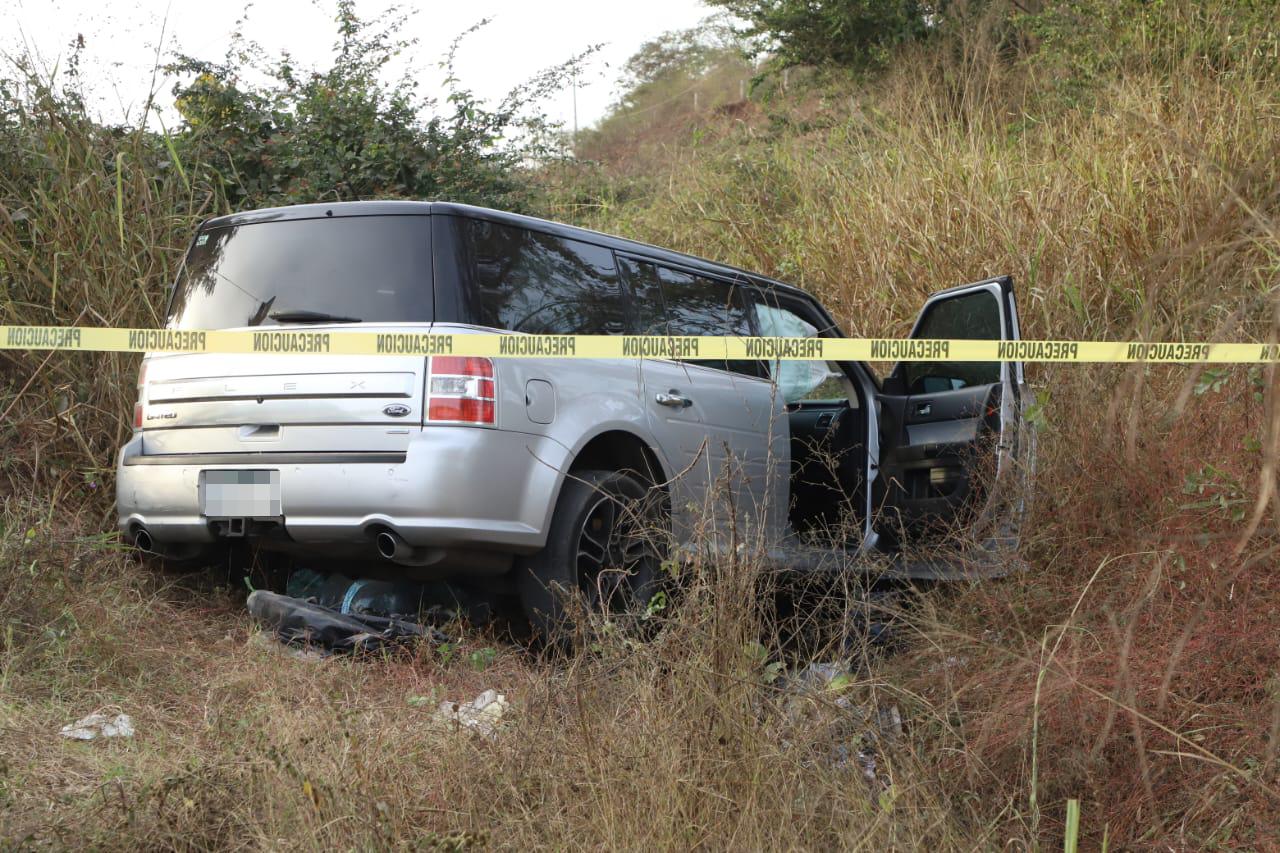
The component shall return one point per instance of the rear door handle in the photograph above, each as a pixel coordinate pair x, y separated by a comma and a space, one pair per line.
674, 399
924, 408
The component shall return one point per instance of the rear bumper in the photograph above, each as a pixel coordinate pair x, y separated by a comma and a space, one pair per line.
453, 488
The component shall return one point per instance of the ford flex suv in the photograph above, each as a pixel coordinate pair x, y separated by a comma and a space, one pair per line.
543, 473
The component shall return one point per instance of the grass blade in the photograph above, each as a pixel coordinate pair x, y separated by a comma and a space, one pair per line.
1072, 833
173, 153
120, 196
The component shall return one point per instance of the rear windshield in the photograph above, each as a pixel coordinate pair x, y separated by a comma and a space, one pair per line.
359, 268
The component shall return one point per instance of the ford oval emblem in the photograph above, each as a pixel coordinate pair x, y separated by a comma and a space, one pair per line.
395, 410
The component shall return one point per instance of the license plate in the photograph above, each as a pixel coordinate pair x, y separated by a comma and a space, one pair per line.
240, 494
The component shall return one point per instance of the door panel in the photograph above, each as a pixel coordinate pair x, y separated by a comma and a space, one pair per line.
751, 457
944, 425
674, 405
718, 424
719, 438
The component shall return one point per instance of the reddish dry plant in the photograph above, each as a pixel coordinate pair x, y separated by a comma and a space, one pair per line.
1155, 644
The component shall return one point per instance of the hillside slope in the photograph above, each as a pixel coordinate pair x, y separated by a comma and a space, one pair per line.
1121, 160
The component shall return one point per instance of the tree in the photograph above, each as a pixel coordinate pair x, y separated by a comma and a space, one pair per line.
346, 133
848, 33
688, 53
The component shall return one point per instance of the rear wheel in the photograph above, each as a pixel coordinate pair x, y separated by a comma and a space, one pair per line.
604, 549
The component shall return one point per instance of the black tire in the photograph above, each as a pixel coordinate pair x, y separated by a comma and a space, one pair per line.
605, 549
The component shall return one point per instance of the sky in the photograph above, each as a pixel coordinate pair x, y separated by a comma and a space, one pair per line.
122, 38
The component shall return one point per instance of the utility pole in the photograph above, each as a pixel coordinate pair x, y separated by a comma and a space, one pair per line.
575, 110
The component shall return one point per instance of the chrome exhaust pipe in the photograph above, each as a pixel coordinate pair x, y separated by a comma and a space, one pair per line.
387, 544
182, 553
393, 547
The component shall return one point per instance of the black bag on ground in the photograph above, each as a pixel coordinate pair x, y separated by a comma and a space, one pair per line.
299, 622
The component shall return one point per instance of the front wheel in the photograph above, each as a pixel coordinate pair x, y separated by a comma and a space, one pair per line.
604, 549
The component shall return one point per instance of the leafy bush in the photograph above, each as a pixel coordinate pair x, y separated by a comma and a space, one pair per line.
94, 218
343, 133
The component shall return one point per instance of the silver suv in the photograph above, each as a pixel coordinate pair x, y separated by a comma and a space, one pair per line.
538, 472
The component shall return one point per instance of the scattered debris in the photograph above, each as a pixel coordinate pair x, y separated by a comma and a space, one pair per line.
818, 705
99, 725
828, 676
481, 715
889, 721
357, 596
428, 603
949, 663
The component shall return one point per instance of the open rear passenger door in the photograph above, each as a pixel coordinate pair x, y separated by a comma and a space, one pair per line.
952, 457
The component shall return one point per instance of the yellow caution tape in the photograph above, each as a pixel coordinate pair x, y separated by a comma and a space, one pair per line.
293, 342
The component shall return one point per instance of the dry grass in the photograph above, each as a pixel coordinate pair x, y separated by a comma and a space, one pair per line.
676, 743
1134, 667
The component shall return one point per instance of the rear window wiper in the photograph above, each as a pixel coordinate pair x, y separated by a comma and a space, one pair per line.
310, 317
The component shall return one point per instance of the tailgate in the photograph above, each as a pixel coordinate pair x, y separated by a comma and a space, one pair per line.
208, 403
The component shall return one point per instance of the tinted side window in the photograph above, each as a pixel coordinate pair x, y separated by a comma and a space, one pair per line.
648, 311
528, 281
975, 316
697, 305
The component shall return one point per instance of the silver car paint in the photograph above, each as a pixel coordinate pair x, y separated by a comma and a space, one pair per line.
458, 486
724, 426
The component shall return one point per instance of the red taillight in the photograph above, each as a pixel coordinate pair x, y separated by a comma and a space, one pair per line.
461, 389
137, 415
460, 409
462, 365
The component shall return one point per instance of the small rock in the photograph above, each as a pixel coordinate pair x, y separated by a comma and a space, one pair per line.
481, 715
99, 725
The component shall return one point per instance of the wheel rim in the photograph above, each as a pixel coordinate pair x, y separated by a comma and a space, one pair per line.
614, 558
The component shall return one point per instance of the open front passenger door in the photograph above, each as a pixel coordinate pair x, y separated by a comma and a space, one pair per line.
952, 457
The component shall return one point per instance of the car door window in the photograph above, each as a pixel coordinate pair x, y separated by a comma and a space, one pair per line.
528, 281
699, 305
974, 316
648, 312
